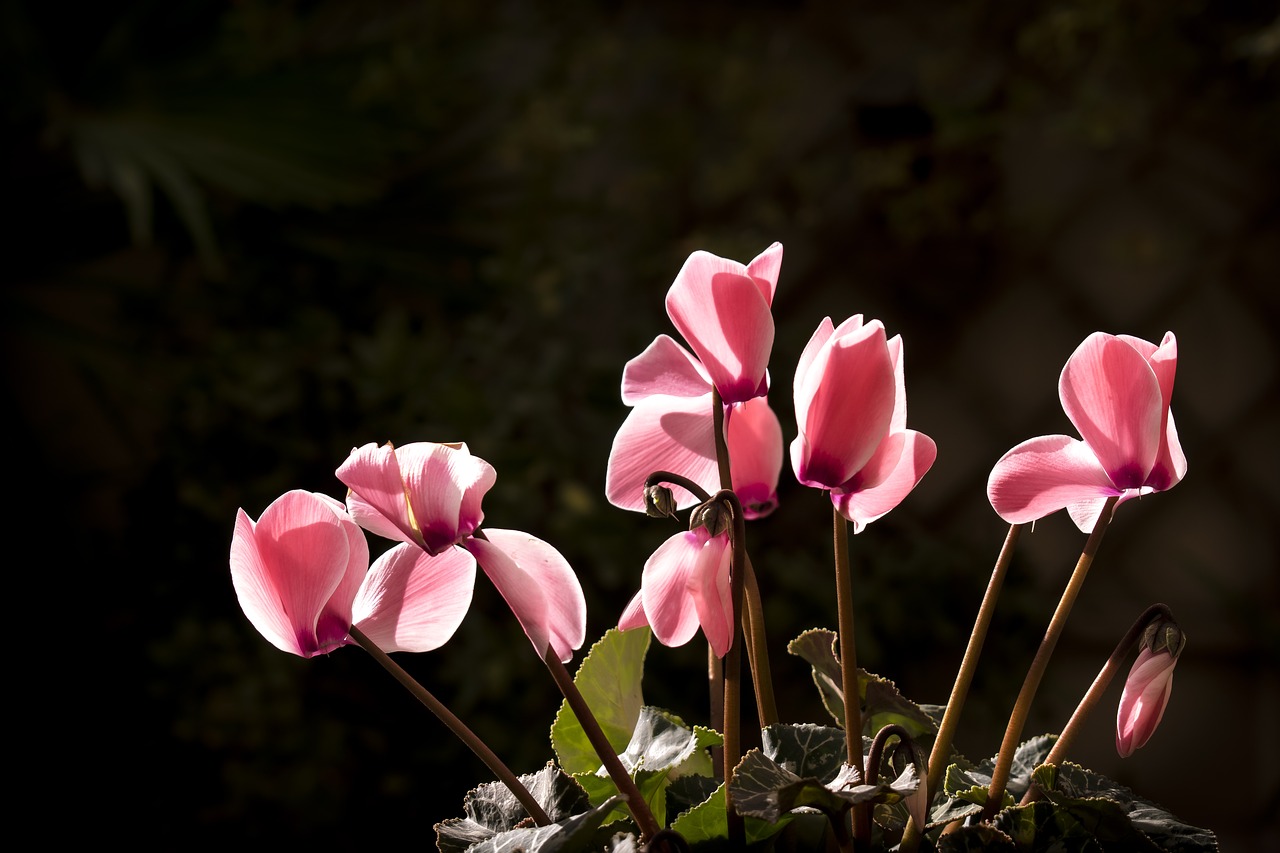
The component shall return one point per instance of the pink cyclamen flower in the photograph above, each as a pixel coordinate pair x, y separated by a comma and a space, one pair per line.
1146, 693
723, 310
686, 586
302, 575
851, 409
1115, 390
429, 495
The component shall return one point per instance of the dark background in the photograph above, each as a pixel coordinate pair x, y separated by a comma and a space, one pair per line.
244, 237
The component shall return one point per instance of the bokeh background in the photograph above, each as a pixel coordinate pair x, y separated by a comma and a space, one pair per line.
245, 237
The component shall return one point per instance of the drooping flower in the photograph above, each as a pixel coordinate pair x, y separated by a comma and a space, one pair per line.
686, 586
722, 308
429, 495
1115, 390
851, 410
302, 575
1146, 693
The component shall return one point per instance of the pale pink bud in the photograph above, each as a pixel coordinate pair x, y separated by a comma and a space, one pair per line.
1146, 692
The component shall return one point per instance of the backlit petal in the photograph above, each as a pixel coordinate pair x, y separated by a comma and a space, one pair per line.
633, 616
916, 455
753, 435
411, 601
662, 434
521, 591
378, 501
725, 318
288, 566
566, 608
764, 270
664, 367
671, 611
847, 397
1043, 475
709, 586
446, 486
1113, 398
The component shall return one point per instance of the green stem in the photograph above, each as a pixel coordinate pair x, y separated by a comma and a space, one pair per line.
455, 725
1068, 737
849, 669
621, 778
1022, 707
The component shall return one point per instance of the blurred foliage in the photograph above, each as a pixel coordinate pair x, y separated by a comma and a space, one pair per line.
245, 237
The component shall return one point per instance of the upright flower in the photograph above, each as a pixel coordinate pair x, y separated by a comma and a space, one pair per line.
429, 495
851, 409
302, 575
1115, 390
723, 310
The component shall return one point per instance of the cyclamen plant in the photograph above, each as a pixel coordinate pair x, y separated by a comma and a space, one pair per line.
702, 436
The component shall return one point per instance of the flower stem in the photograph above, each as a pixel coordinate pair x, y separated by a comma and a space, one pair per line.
849, 669
1068, 737
459, 728
761, 672
1022, 707
941, 751
733, 671
591, 727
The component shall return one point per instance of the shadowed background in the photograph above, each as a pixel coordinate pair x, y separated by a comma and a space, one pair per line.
246, 237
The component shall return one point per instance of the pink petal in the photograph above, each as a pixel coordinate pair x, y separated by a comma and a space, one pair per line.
753, 435
411, 601
518, 588
634, 616
561, 613
378, 501
445, 486
672, 614
764, 269
1043, 475
709, 587
1171, 463
722, 313
662, 434
289, 567
1142, 705
566, 606
1113, 398
844, 405
916, 454
664, 367
815, 346
898, 422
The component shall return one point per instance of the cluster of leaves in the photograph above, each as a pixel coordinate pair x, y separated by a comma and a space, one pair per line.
796, 784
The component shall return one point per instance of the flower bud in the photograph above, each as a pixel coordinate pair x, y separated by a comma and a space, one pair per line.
713, 515
659, 502
1147, 689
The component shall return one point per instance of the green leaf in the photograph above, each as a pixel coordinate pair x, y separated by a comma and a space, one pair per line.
706, 823
980, 838
568, 836
882, 704
609, 680
805, 749
491, 808
1089, 798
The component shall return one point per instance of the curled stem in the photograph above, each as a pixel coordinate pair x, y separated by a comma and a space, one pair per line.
1022, 707
455, 725
1091, 697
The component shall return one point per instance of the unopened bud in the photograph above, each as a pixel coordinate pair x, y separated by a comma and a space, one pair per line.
713, 515
1163, 635
659, 502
